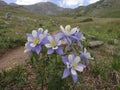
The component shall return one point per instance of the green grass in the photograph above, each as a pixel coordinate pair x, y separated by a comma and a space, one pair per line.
99, 10
10, 77
113, 12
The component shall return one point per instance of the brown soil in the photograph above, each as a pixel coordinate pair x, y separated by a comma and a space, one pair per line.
12, 58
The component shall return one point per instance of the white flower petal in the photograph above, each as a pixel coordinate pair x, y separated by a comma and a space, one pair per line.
50, 38
73, 72
59, 42
34, 33
88, 55
70, 58
32, 45
83, 38
56, 38
74, 30
68, 65
48, 45
26, 50
55, 48
77, 59
26, 44
77, 29
67, 27
46, 32
41, 36
62, 28
40, 29
79, 68
30, 39
68, 30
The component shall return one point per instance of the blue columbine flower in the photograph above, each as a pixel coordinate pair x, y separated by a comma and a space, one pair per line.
78, 36
35, 41
73, 65
27, 48
72, 34
85, 55
68, 32
54, 45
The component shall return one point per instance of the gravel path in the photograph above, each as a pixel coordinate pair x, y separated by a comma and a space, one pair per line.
12, 58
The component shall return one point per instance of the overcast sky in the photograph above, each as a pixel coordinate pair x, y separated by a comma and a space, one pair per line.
62, 3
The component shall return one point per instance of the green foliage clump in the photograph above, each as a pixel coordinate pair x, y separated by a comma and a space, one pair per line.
9, 78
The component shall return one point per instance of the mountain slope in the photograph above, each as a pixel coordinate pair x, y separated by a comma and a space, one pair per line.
2, 3
102, 8
45, 8
40, 8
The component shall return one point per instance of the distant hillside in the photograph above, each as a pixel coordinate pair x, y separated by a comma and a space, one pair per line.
102, 8
45, 8
13, 4
2, 3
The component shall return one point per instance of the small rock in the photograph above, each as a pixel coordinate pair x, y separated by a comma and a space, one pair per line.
95, 43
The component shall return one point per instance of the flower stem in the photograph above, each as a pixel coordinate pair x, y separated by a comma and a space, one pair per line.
56, 69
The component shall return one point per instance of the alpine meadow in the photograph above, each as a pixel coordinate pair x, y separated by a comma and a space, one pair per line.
48, 47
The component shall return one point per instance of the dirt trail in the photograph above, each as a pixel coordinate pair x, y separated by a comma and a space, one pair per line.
12, 58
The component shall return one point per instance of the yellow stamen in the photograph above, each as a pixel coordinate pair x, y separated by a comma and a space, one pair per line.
74, 64
68, 30
35, 41
52, 43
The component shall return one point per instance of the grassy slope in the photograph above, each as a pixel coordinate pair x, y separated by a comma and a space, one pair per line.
111, 9
111, 12
15, 26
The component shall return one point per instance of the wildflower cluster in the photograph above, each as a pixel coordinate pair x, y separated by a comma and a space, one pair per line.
74, 59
